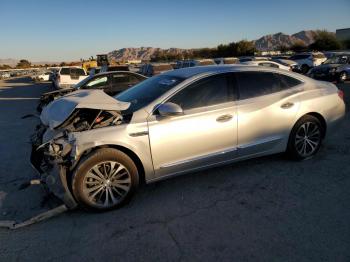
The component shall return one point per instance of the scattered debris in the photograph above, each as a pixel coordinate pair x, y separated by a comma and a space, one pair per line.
30, 115
10, 224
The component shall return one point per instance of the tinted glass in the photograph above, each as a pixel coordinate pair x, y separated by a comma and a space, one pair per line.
77, 71
288, 81
65, 71
268, 65
206, 92
253, 84
147, 91
120, 78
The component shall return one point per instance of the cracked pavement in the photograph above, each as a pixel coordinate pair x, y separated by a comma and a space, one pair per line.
265, 209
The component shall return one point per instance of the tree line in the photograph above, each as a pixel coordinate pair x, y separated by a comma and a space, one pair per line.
323, 41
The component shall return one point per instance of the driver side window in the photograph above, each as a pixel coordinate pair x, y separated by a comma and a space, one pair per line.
210, 91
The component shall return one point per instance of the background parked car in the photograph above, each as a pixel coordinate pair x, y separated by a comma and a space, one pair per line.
286, 62
44, 76
226, 60
252, 58
336, 68
67, 77
155, 69
306, 61
267, 64
111, 83
192, 63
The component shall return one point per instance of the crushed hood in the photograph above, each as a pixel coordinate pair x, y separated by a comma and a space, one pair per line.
60, 109
61, 91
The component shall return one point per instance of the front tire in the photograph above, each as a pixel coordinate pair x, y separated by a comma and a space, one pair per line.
105, 179
306, 138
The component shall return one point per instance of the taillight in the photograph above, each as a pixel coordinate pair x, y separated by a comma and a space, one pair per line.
341, 94
58, 77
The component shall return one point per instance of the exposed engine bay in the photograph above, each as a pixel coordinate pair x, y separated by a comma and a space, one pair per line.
83, 119
52, 154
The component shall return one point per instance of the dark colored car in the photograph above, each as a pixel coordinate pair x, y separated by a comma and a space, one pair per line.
112, 83
336, 68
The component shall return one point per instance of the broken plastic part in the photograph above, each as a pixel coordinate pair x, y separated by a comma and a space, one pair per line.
43, 216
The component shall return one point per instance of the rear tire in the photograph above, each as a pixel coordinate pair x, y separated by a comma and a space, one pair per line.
305, 138
105, 179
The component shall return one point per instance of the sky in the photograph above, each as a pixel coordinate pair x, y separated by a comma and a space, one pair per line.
68, 30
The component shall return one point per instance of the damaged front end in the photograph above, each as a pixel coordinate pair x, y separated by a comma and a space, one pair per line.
53, 150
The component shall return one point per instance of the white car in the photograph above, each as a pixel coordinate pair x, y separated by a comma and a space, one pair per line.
267, 63
67, 77
44, 76
306, 61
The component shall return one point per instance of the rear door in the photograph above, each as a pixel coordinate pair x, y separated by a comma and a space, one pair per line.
266, 109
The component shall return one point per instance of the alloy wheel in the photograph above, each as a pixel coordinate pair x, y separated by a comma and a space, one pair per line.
308, 139
106, 184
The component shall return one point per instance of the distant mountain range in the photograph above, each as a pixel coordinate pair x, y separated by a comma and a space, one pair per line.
272, 42
265, 43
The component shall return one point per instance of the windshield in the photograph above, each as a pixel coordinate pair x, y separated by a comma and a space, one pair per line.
82, 82
147, 91
337, 60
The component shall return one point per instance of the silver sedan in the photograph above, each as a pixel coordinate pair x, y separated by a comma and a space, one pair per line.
99, 148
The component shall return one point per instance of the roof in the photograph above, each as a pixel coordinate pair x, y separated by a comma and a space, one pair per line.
199, 70
192, 71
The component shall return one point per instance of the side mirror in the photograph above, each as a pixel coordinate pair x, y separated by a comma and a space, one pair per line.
170, 109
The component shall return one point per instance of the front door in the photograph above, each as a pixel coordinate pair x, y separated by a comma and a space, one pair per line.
205, 135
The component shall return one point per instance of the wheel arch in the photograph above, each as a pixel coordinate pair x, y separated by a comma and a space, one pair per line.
127, 151
319, 117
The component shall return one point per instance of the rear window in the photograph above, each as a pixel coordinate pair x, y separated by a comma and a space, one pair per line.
77, 71
65, 71
254, 84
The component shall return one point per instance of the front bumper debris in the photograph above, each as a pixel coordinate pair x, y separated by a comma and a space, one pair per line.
52, 170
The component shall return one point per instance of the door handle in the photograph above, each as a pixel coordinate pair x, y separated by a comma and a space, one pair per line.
287, 105
224, 118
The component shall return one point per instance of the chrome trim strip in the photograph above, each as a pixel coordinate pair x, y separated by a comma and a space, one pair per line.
261, 141
229, 150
